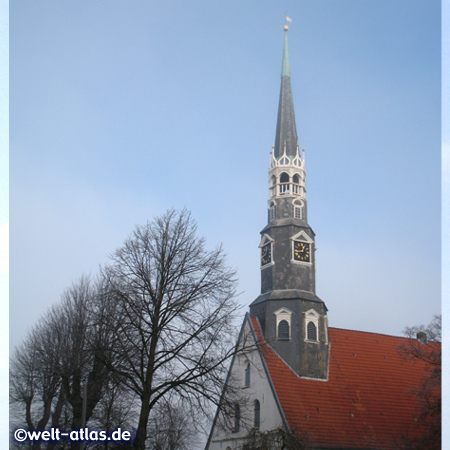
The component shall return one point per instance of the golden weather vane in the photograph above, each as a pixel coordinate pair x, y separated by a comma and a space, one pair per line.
287, 19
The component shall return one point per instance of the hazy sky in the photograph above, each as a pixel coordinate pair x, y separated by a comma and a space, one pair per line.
4, 226
446, 214
120, 110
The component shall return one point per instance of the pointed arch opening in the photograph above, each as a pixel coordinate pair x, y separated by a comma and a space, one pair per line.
284, 183
296, 183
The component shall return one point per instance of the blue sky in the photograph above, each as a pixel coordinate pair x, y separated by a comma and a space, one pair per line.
120, 110
4, 226
446, 210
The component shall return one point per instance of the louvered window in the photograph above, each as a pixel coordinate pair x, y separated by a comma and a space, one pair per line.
311, 332
272, 211
298, 209
283, 330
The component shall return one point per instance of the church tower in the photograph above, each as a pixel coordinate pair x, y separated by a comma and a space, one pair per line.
293, 319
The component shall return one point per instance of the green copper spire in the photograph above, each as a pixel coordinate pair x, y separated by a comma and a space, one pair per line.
286, 133
285, 71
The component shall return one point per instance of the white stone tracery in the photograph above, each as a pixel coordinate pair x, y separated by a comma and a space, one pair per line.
287, 175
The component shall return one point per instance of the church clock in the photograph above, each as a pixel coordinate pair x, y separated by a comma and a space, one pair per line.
288, 254
266, 254
302, 251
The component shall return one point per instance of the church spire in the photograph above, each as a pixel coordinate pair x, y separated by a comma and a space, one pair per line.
293, 318
286, 133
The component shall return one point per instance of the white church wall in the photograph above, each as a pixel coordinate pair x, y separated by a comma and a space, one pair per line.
259, 389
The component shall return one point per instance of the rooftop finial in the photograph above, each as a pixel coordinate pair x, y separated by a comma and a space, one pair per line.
288, 19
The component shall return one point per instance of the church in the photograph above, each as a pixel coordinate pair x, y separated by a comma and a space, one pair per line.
293, 376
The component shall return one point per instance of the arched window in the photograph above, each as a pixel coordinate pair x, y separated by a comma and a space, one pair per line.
296, 184
237, 418
273, 180
284, 178
272, 211
247, 375
284, 183
311, 332
256, 414
298, 209
283, 329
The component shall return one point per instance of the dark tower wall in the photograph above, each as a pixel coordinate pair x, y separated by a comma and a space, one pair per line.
306, 358
293, 319
285, 273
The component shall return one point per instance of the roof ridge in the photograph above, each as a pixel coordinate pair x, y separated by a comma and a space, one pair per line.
368, 332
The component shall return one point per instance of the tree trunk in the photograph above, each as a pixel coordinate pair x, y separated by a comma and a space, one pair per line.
141, 435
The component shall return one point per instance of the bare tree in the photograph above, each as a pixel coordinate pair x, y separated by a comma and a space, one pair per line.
34, 383
116, 409
171, 305
171, 427
277, 439
83, 343
66, 351
424, 344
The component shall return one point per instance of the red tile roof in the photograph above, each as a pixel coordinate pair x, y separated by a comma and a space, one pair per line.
368, 400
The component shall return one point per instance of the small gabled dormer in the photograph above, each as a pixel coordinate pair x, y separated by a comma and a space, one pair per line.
283, 323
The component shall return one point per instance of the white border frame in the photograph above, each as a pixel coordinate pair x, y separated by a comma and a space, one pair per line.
302, 237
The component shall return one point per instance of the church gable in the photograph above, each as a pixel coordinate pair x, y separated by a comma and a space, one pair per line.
266, 239
251, 402
302, 237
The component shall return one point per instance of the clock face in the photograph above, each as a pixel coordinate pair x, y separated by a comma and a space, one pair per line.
302, 251
266, 254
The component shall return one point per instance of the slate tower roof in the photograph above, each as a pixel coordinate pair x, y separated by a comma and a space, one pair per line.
286, 131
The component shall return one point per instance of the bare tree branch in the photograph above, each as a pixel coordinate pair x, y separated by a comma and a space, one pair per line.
173, 304
424, 344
